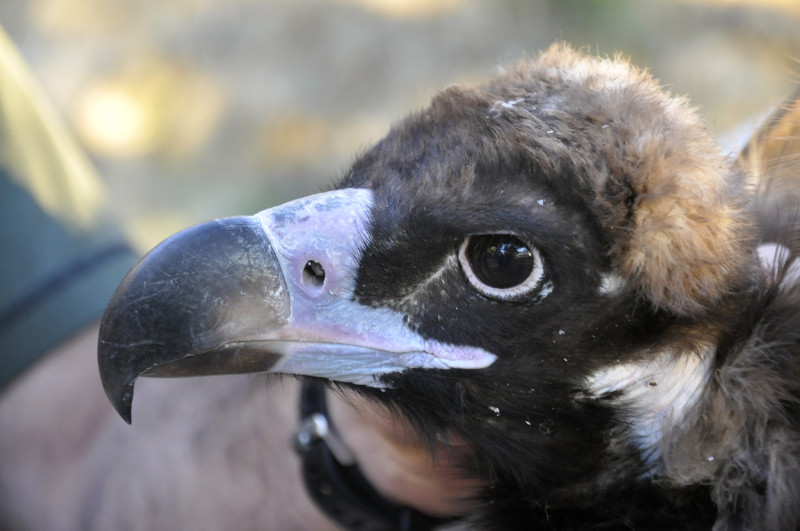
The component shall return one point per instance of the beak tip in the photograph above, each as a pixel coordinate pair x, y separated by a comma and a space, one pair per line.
118, 387
121, 397
123, 407
126, 417
171, 309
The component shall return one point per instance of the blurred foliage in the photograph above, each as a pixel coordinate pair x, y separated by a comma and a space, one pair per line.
203, 108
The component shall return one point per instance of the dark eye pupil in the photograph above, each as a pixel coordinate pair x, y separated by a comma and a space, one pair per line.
500, 260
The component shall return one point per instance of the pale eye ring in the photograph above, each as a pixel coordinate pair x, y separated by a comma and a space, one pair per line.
501, 266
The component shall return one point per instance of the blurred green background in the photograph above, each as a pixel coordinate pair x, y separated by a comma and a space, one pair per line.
193, 109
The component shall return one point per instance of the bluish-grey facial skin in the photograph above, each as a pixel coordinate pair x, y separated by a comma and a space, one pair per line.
272, 292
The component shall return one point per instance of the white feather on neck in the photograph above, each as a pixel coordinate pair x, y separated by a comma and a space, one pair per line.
656, 394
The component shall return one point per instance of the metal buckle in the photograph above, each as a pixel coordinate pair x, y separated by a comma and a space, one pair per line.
316, 427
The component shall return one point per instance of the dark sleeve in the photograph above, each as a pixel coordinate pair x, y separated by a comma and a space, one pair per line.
55, 277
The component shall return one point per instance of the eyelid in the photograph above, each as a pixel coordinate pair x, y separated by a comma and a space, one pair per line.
529, 285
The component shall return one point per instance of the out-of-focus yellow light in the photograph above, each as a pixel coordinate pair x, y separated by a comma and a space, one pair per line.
408, 8
151, 106
298, 138
111, 121
79, 18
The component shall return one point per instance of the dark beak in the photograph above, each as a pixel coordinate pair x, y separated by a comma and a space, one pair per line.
189, 307
267, 293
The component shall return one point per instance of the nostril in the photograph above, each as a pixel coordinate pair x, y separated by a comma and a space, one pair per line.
314, 273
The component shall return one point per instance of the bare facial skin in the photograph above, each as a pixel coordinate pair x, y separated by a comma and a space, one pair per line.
396, 463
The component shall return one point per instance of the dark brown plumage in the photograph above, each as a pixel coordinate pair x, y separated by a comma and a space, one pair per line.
579, 283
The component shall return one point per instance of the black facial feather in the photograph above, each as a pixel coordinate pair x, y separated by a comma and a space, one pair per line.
558, 271
539, 430
612, 181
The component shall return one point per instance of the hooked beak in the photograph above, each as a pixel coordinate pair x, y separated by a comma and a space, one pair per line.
272, 292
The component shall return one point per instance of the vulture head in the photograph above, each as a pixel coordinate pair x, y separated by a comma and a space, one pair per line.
560, 267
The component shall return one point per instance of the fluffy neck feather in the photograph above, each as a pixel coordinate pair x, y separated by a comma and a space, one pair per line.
655, 394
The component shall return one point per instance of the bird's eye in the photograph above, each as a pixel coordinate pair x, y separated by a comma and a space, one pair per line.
501, 266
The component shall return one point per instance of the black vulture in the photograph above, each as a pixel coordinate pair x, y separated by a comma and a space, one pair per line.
560, 267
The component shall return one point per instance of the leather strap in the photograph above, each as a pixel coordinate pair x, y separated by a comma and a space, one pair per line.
335, 482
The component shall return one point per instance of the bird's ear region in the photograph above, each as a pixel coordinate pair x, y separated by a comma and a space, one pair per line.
674, 204
685, 243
